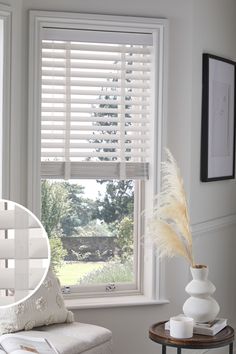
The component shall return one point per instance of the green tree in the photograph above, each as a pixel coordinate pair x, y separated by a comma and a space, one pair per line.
55, 205
58, 252
82, 210
125, 240
117, 202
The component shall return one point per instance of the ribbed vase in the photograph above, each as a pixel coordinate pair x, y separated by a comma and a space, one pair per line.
200, 305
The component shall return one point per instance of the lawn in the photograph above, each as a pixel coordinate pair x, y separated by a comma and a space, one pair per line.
70, 273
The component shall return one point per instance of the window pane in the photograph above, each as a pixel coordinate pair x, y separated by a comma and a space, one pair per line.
90, 224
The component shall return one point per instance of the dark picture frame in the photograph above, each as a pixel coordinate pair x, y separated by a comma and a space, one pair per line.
218, 118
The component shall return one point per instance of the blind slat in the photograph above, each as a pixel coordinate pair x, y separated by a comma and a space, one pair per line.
100, 128
93, 154
7, 278
38, 248
97, 83
58, 119
90, 101
96, 56
7, 249
56, 46
7, 220
99, 170
97, 66
91, 92
94, 146
96, 110
94, 75
54, 135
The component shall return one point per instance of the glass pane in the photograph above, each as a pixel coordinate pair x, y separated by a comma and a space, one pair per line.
90, 227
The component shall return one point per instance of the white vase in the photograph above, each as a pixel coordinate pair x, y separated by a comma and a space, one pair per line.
200, 305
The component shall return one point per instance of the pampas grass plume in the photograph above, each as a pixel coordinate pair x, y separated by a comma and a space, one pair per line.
170, 225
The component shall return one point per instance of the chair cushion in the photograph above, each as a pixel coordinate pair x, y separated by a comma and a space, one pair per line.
76, 338
46, 306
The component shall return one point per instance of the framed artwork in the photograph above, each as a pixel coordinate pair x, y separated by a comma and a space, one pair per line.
218, 119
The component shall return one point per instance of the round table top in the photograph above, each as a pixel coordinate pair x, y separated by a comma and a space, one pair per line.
158, 334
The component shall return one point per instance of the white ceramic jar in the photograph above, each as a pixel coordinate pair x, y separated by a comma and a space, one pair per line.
200, 305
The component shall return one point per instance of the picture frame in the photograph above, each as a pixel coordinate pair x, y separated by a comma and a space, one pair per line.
218, 118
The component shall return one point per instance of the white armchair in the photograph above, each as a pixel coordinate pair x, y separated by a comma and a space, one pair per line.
76, 338
44, 315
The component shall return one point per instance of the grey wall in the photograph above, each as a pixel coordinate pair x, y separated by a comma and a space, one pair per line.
214, 32
195, 26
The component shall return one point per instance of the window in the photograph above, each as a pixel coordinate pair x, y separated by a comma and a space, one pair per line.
98, 85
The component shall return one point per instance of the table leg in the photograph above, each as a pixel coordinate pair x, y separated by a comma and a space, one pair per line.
231, 348
178, 350
163, 349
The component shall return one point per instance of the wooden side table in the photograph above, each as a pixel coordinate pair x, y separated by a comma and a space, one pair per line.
158, 334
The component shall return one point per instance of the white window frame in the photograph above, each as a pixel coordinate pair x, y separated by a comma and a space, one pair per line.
5, 92
151, 285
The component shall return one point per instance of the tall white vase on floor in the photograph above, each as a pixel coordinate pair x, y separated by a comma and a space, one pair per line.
200, 305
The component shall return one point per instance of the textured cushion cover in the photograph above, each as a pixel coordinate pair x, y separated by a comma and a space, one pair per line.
76, 338
46, 306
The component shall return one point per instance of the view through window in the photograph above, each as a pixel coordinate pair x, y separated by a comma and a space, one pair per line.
90, 225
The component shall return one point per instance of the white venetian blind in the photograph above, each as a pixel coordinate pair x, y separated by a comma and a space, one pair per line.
95, 113
23, 253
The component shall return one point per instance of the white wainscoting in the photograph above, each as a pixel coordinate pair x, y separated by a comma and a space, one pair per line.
199, 229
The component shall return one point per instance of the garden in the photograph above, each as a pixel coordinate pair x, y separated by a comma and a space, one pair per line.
91, 239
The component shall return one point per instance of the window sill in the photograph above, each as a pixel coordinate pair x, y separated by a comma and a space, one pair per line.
117, 301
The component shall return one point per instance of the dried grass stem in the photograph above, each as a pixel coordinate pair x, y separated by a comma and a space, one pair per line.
170, 224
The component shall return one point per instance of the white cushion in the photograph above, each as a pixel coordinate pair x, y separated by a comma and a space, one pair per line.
76, 338
46, 306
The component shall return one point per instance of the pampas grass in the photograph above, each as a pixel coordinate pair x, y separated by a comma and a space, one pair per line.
170, 225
